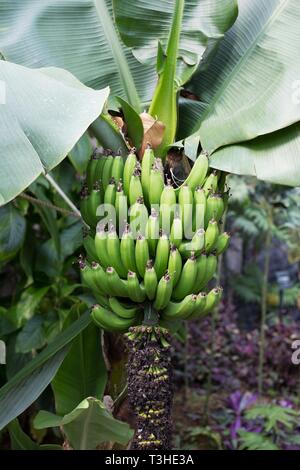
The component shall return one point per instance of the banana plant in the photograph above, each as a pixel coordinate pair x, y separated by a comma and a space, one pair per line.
208, 83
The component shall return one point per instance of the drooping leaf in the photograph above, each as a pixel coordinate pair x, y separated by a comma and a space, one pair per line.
24, 388
274, 157
77, 35
87, 426
46, 112
12, 231
27, 389
248, 88
83, 372
81, 153
108, 135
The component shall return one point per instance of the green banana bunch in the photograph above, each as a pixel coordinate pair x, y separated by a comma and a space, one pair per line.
110, 321
123, 310
162, 248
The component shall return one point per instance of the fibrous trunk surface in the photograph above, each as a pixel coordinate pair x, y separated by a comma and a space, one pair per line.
150, 387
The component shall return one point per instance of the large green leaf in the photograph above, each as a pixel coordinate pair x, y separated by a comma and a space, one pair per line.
24, 388
77, 35
248, 89
87, 426
143, 24
273, 157
45, 114
83, 372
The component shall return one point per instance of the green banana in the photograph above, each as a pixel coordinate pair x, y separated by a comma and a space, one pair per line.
121, 208
211, 266
175, 265
176, 232
135, 187
87, 275
167, 207
138, 217
100, 278
114, 252
186, 280
135, 291
98, 175
115, 285
141, 254
214, 208
101, 299
147, 162
199, 210
152, 231
199, 306
182, 309
150, 281
163, 292
129, 167
211, 183
162, 255
222, 243
195, 245
110, 193
198, 172
156, 186
211, 235
122, 310
106, 173
212, 300
89, 246
101, 246
90, 171
185, 199
201, 272
108, 320
127, 250
117, 168
93, 202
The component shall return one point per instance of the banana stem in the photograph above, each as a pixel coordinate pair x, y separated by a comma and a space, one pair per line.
164, 101
150, 315
150, 389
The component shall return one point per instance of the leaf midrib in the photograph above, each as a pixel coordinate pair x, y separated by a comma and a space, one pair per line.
113, 41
